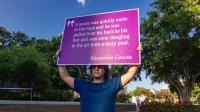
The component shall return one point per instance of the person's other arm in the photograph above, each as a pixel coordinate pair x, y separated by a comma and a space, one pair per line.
126, 78
64, 75
132, 71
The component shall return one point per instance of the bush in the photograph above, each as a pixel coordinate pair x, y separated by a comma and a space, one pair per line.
15, 95
165, 107
56, 95
124, 98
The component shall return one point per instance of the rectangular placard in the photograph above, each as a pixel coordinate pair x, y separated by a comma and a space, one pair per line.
105, 38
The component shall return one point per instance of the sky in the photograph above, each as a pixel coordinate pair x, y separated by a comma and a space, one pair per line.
45, 18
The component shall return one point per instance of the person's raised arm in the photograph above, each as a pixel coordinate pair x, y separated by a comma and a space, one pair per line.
132, 71
64, 75
129, 75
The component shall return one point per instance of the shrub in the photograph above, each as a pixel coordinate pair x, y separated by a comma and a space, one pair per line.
165, 107
56, 95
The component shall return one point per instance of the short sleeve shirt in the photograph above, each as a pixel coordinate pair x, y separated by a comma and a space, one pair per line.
98, 97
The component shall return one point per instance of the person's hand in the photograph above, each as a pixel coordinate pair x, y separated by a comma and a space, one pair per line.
58, 53
139, 48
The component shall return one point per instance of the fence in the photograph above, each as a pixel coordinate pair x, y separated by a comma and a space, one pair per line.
18, 89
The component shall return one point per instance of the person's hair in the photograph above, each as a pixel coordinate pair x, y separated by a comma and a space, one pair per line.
106, 74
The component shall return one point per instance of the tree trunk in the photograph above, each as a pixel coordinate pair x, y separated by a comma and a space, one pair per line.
185, 97
184, 92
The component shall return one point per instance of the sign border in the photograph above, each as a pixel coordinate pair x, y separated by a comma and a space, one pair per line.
139, 63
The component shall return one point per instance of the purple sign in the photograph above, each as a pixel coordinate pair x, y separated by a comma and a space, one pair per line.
105, 38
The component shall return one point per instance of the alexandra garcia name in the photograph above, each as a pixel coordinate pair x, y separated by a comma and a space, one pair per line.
116, 57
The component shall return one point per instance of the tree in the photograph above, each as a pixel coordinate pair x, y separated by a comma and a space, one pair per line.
5, 37
171, 44
47, 49
13, 39
6, 67
165, 95
124, 98
118, 70
140, 91
19, 39
24, 67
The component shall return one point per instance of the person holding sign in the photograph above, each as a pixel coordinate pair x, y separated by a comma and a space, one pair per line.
99, 94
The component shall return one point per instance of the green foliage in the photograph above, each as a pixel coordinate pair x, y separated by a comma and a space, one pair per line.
7, 67
124, 98
196, 92
118, 70
56, 95
36, 66
165, 107
19, 39
5, 37
24, 67
140, 91
171, 38
14, 94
